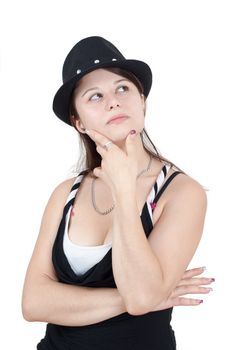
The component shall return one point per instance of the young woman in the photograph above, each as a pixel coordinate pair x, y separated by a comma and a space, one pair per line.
115, 241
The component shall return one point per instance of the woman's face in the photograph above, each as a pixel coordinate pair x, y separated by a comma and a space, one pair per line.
102, 95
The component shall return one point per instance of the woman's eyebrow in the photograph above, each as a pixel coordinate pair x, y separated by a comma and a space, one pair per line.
96, 87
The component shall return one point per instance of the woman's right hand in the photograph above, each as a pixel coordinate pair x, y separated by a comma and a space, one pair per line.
187, 285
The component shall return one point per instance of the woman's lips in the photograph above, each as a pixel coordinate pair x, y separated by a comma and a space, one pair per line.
117, 120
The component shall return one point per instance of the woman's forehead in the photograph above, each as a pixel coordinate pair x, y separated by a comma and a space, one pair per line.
99, 75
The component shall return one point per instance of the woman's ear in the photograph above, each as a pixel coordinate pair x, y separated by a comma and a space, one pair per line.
143, 103
79, 125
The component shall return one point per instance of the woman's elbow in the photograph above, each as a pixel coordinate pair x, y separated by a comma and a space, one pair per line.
137, 310
141, 307
31, 307
27, 310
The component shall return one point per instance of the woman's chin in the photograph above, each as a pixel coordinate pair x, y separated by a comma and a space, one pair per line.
119, 135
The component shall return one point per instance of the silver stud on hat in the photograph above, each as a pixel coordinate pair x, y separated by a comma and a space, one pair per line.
96, 61
114, 59
78, 71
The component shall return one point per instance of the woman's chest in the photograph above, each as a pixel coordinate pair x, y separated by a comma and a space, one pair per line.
88, 227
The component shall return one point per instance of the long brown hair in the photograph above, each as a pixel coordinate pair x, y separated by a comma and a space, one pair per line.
91, 159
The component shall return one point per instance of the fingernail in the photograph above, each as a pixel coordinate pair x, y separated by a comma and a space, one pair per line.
212, 279
201, 301
204, 268
210, 289
87, 131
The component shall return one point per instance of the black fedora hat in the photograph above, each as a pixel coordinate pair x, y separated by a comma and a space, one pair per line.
87, 55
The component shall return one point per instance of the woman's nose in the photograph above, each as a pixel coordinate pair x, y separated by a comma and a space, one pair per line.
112, 102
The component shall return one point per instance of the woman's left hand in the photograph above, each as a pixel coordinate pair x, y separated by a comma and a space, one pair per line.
187, 285
118, 169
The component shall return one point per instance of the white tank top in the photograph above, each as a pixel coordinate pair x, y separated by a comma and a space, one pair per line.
82, 258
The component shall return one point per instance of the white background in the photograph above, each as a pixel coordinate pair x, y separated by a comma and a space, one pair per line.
188, 45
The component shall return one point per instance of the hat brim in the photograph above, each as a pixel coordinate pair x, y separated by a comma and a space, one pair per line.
61, 101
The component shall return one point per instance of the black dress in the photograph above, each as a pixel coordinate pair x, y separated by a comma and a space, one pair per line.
122, 332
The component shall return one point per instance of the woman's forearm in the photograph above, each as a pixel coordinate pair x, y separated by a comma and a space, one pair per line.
70, 305
140, 284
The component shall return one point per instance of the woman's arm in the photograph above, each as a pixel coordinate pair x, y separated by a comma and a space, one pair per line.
69, 305
47, 300
146, 281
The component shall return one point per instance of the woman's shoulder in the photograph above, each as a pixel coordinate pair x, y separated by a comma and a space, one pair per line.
60, 192
183, 184
178, 187
63, 188
183, 179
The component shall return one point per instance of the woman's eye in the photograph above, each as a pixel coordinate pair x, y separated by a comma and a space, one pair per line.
91, 98
124, 86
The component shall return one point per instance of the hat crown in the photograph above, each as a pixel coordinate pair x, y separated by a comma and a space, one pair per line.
88, 52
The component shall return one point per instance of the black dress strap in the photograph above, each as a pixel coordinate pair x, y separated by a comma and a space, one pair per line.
146, 218
166, 183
